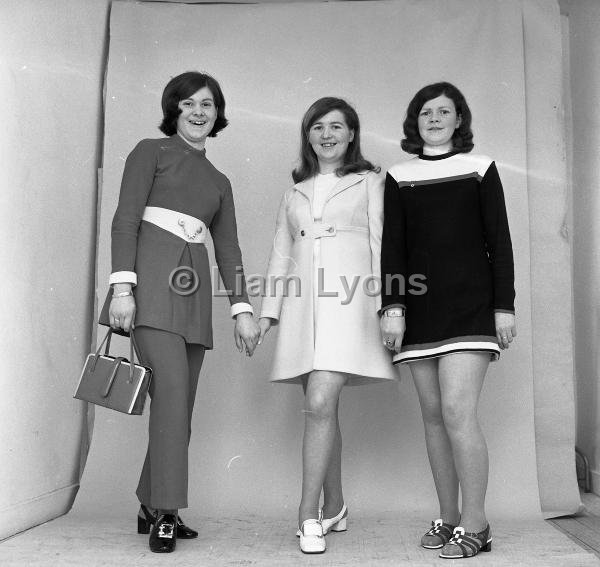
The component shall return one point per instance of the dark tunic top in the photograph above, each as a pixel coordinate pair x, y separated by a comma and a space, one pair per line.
446, 234
171, 174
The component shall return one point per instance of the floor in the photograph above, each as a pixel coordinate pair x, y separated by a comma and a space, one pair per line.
82, 541
583, 529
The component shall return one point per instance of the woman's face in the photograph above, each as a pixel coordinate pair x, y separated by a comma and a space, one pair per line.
329, 137
197, 118
437, 121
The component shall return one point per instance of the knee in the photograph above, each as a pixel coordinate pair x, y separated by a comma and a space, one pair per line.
319, 406
457, 417
432, 413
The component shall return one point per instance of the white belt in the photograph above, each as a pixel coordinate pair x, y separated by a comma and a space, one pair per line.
187, 227
319, 229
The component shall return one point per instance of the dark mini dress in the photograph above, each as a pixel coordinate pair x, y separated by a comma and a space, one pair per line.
447, 242
171, 174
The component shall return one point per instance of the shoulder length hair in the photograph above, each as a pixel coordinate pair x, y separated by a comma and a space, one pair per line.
353, 160
184, 86
462, 139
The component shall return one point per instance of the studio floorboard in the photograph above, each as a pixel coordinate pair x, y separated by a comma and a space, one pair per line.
81, 540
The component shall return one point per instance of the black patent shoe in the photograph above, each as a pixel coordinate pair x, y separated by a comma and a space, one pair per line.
185, 532
146, 520
163, 536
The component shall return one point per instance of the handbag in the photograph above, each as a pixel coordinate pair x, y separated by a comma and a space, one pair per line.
115, 382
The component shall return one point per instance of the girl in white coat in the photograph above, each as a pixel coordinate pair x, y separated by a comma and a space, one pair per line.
322, 289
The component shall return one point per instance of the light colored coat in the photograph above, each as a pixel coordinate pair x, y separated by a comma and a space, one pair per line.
319, 331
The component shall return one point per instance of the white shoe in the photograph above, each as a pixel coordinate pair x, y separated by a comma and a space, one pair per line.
336, 524
299, 533
312, 539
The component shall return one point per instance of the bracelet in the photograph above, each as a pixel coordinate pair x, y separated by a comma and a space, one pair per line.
395, 312
122, 294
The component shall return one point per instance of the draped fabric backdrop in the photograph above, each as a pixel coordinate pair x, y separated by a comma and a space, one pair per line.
272, 61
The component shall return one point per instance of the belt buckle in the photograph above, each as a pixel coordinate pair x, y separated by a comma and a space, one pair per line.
194, 235
328, 230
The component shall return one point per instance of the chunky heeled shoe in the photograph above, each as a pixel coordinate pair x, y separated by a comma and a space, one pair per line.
463, 544
337, 523
163, 536
183, 531
146, 521
438, 536
312, 539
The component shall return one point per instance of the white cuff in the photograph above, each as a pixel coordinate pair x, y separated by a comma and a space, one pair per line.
241, 307
123, 277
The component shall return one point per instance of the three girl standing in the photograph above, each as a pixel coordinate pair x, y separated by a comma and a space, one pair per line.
442, 216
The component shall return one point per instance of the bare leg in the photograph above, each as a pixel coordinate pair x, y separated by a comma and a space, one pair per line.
333, 497
320, 429
439, 449
461, 379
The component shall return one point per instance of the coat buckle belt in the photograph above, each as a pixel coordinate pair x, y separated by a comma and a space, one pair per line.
317, 230
184, 226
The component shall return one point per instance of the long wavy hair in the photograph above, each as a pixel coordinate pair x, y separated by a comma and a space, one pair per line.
184, 86
353, 160
462, 139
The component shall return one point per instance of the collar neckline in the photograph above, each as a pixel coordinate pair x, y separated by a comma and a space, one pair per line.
181, 142
437, 156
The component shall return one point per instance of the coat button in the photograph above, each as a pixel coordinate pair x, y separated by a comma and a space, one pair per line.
301, 233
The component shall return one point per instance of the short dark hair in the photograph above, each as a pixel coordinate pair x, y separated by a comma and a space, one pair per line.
462, 139
184, 86
353, 160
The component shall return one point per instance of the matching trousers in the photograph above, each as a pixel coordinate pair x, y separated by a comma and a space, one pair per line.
176, 367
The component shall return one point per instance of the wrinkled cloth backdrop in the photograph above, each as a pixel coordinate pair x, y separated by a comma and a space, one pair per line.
273, 60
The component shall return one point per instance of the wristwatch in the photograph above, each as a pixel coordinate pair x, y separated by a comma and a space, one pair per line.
394, 312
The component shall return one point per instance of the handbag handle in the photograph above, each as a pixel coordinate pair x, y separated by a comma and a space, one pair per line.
113, 375
132, 348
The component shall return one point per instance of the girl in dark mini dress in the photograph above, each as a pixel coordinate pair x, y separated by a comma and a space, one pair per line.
445, 220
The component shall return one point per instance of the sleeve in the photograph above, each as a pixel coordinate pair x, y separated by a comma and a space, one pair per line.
393, 248
136, 184
375, 219
278, 266
497, 239
223, 230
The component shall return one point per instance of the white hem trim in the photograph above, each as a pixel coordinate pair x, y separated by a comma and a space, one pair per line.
472, 346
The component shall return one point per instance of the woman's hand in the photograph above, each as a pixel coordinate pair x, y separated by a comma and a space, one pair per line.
392, 331
121, 312
506, 329
246, 332
264, 324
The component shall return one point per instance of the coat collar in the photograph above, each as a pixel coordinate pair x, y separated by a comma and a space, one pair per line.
306, 187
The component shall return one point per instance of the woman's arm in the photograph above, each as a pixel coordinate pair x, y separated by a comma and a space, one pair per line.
497, 239
228, 254
136, 184
375, 192
393, 267
393, 248
229, 260
278, 267
499, 249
